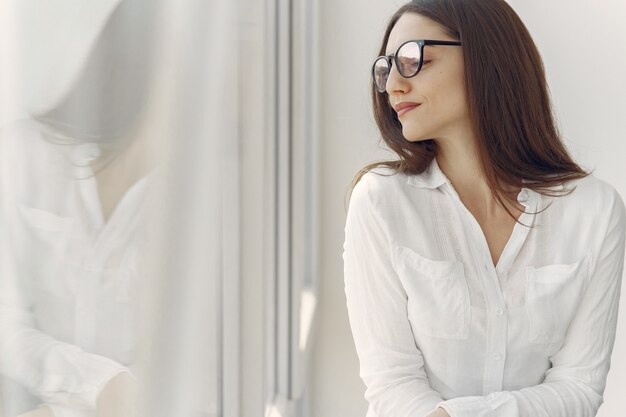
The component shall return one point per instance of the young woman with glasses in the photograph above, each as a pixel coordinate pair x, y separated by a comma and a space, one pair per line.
483, 266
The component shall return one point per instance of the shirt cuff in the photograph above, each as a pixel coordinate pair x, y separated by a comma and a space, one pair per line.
65, 410
497, 404
81, 385
457, 408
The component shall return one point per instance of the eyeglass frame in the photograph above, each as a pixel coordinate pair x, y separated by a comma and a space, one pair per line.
421, 43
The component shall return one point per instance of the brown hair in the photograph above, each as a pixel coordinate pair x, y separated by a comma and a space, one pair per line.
508, 97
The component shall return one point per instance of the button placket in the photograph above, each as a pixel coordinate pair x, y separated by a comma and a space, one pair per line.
496, 333
86, 323
494, 296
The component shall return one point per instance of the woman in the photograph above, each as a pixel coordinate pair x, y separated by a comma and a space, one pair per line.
482, 267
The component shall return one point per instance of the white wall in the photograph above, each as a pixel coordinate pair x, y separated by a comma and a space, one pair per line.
582, 44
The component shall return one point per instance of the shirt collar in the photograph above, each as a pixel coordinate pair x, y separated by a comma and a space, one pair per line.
433, 177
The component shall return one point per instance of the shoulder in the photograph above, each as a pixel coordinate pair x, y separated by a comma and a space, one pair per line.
597, 200
28, 160
377, 187
23, 137
594, 189
19, 128
372, 202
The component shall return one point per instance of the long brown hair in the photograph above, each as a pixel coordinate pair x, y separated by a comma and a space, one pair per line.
508, 97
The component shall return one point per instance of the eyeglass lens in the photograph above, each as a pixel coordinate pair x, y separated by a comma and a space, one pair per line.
408, 60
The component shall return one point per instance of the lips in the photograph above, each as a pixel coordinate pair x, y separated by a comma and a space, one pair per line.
405, 107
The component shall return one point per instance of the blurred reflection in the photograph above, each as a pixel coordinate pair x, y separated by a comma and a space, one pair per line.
74, 181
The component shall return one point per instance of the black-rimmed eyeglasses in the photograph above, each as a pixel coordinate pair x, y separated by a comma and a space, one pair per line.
408, 60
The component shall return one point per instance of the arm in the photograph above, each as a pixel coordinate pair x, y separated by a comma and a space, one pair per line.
391, 365
57, 372
117, 399
574, 385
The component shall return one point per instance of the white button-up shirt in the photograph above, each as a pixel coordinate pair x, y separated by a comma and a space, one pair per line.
67, 277
435, 323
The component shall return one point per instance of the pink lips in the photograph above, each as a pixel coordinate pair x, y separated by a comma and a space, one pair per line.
405, 109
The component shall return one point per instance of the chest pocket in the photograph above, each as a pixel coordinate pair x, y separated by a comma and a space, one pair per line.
438, 302
553, 294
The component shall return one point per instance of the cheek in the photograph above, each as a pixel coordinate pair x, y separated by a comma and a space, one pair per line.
445, 83
446, 103
448, 96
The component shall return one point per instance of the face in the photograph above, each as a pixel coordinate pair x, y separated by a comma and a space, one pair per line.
439, 87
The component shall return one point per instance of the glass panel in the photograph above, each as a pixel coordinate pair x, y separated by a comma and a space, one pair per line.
118, 175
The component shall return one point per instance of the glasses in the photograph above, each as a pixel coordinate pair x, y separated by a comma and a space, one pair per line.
408, 60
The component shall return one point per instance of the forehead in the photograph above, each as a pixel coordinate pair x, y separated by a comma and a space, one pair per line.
414, 26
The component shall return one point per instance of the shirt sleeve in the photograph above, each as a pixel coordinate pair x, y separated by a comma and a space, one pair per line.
574, 385
58, 410
56, 372
391, 365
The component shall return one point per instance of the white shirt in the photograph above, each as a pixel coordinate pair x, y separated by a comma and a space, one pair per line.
436, 324
67, 277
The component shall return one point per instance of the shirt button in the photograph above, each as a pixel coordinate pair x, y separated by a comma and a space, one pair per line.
499, 312
497, 356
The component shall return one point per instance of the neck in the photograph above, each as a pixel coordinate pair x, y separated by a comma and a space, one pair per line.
460, 162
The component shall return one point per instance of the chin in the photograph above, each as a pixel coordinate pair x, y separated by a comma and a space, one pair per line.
414, 137
412, 132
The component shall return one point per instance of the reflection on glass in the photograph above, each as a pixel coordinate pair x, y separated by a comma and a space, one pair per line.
74, 180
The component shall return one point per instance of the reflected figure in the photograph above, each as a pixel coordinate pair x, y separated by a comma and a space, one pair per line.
74, 181
482, 267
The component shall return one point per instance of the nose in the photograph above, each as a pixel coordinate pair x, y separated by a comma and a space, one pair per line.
396, 83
